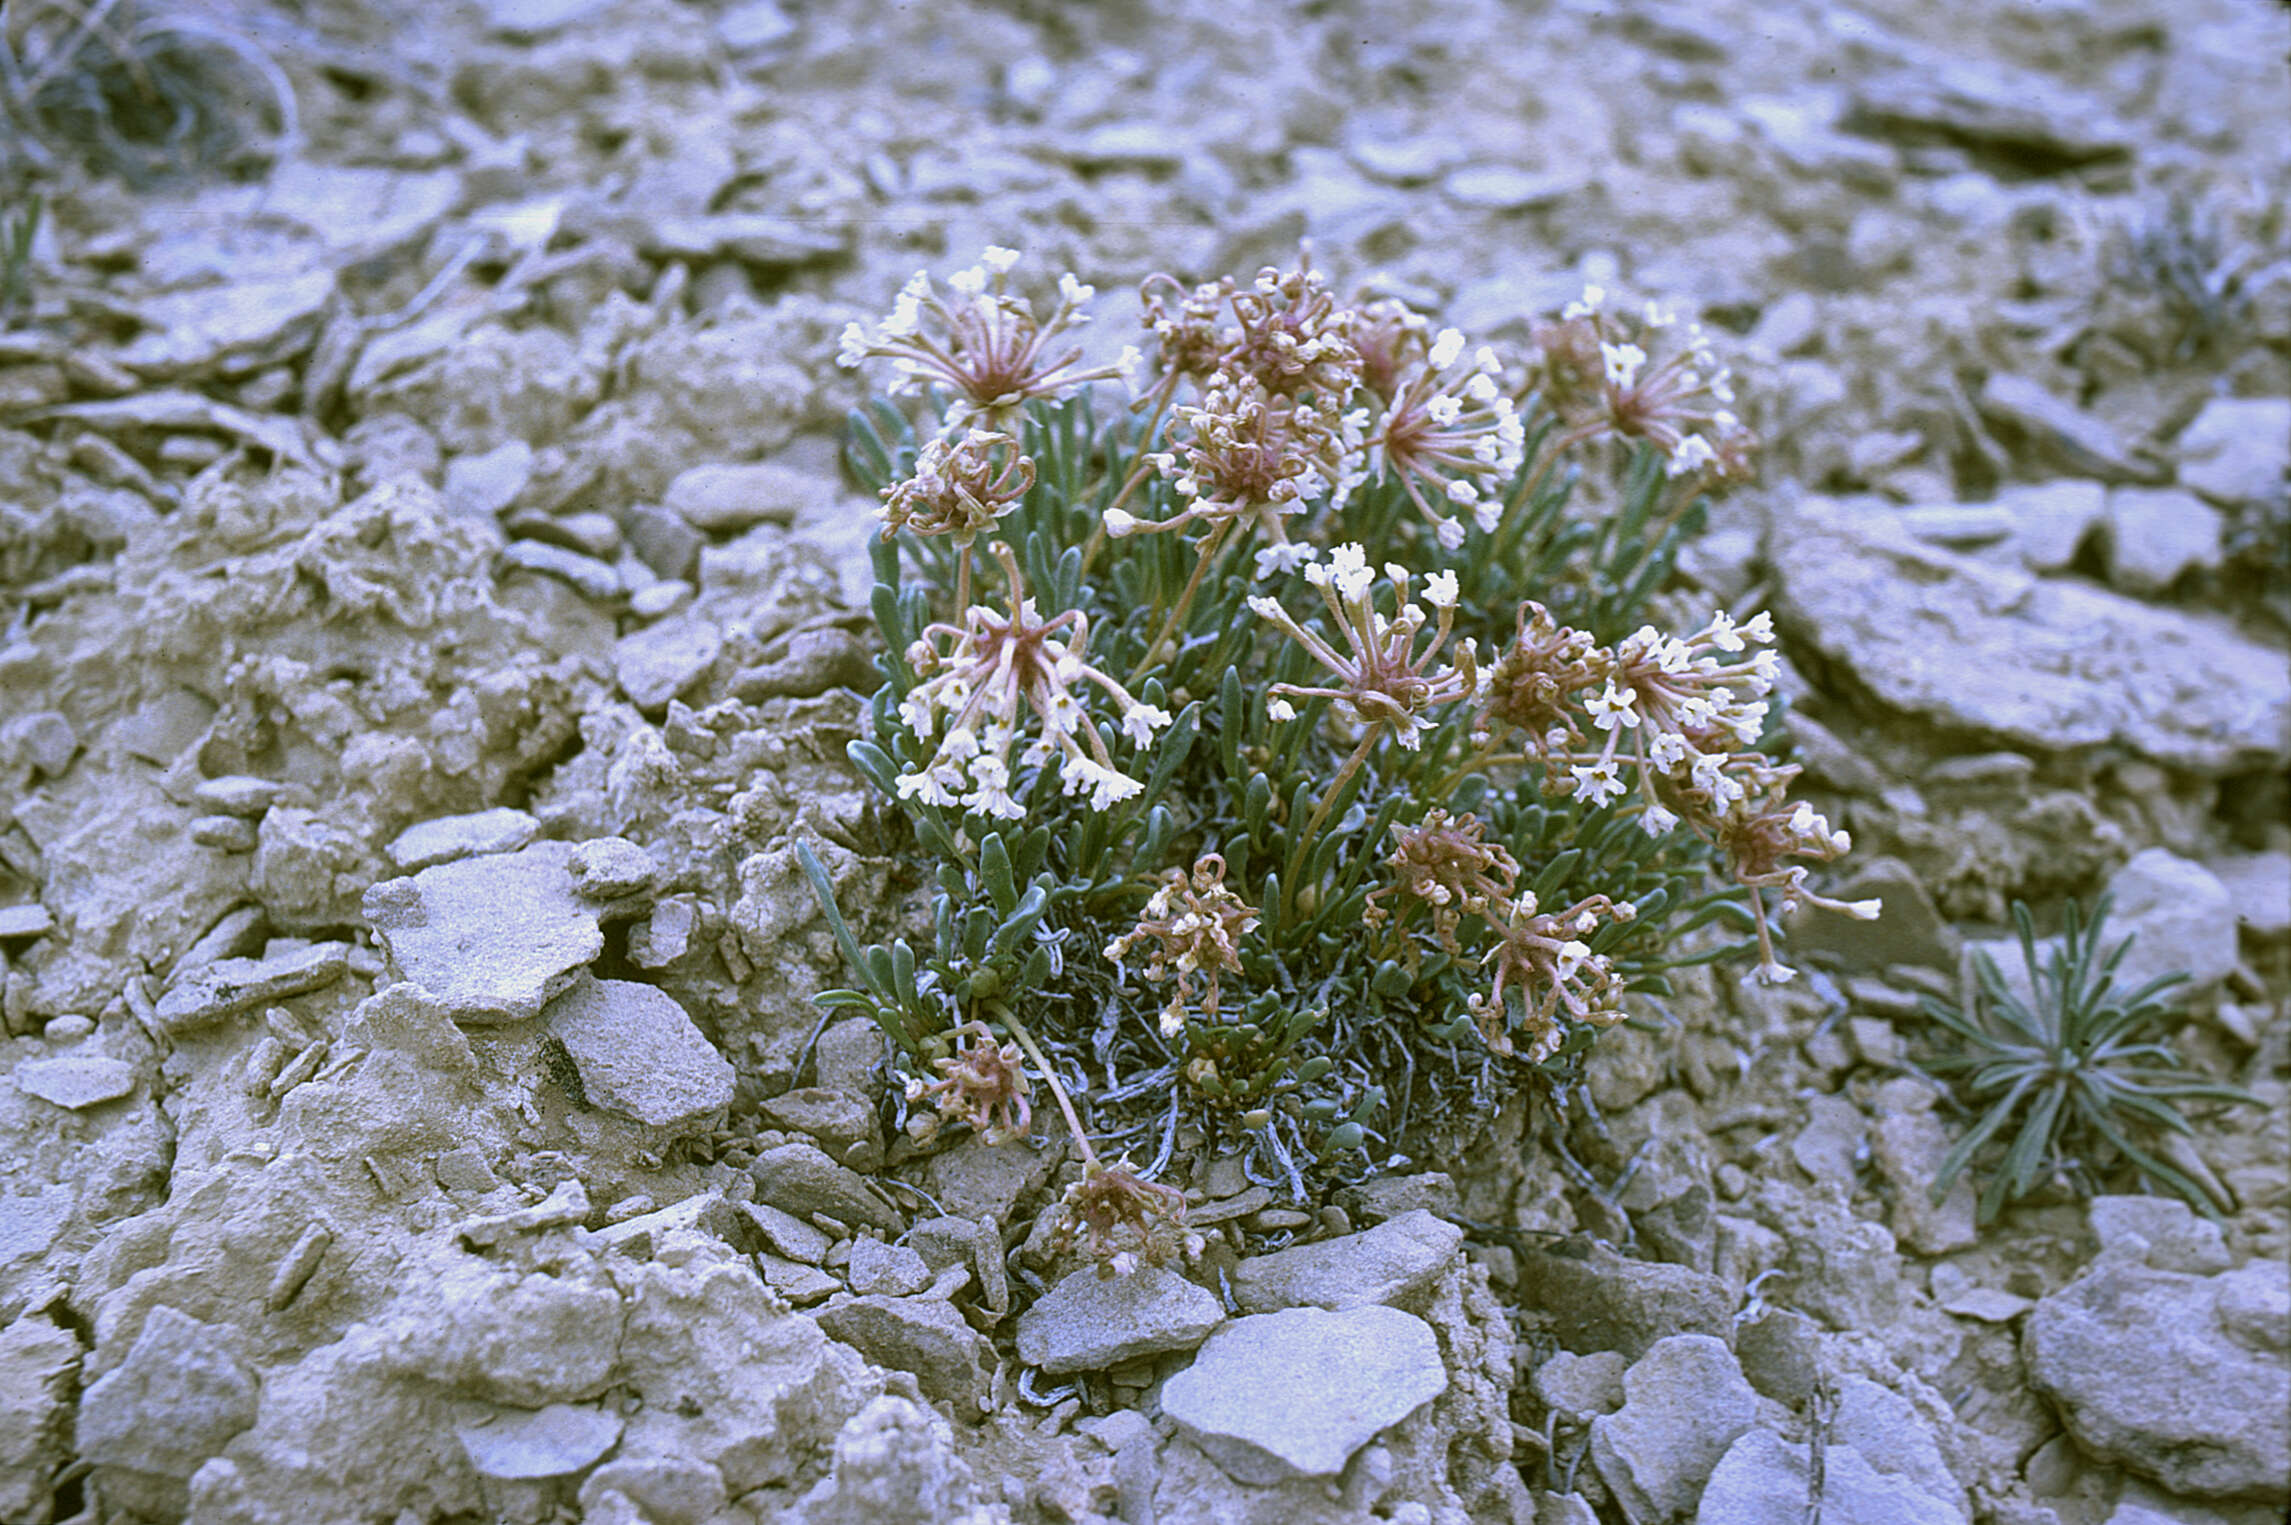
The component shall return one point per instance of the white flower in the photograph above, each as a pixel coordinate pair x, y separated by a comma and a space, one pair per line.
1280, 709
1656, 315
1348, 568
854, 348
1722, 633
1270, 609
1667, 750
1172, 1022
1450, 534
969, 283
1655, 820
1614, 707
1446, 348
1284, 556
1593, 298
1771, 972
1622, 362
1759, 627
925, 787
1142, 721
1440, 590
1120, 522
1460, 490
1072, 292
1860, 910
1693, 453
998, 259
1597, 782
1487, 514
1572, 956
1131, 364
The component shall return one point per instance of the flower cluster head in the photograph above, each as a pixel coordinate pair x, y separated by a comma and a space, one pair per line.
1123, 1221
1448, 431
1612, 375
1295, 337
1689, 711
1446, 864
959, 489
982, 341
1546, 957
1001, 675
1536, 683
983, 1084
1762, 827
1191, 927
1383, 680
1246, 452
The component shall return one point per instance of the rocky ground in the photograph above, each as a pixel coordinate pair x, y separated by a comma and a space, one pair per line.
426, 582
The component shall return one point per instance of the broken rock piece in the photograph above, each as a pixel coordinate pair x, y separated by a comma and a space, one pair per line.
492, 938
638, 1053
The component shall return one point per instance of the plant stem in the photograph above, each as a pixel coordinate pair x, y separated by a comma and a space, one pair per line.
962, 583
1209, 546
1319, 816
1009, 1019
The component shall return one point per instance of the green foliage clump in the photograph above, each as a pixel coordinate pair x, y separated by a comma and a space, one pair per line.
1235, 836
2073, 1074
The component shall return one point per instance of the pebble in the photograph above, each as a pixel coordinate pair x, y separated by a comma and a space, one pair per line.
802, 1285
45, 739
2259, 885
1763, 1480
655, 599
224, 833
1582, 1386
237, 794
612, 868
74, 1082
2051, 519
1276, 1396
724, 497
2058, 430
587, 576
491, 938
31, 919
2179, 918
798, 1178
483, 485
2161, 1232
68, 1028
589, 533
2238, 450
182, 1393
517, 1444
1507, 188
753, 238
1684, 1402
657, 663
1090, 1322
638, 1053
2157, 533
232, 985
920, 1335
1395, 1263
888, 1269
786, 1233
500, 830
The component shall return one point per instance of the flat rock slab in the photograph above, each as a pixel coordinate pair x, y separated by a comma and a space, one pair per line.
922, 1335
2053, 665
32, 920
1394, 1263
501, 830
1764, 1480
231, 985
638, 1053
2180, 1378
1276, 1396
657, 663
75, 1082
491, 938
798, 1178
1090, 1322
1685, 1402
521, 1444
177, 1399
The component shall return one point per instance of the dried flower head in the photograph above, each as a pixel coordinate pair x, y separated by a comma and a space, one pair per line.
1390, 337
1757, 832
1123, 1220
1383, 680
1547, 959
983, 1084
1450, 434
1445, 864
976, 699
1534, 685
1192, 926
1295, 337
959, 489
1249, 453
1649, 377
1188, 325
982, 341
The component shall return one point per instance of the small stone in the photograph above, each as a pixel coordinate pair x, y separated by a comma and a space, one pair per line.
589, 533
177, 1399
1391, 1196
237, 794
1507, 188
612, 868
2058, 430
638, 1053
656, 599
789, 1235
2238, 450
1960, 526
1599, 1301
665, 936
483, 485
1987, 1305
2259, 885
800, 1284
1404, 161
1090, 1322
43, 738
1763, 1480
71, 1027
753, 238
1829, 1146
662, 540
976, 1179
567, 1205
515, 1445
887, 1269
754, 25
500, 830
2051, 519
843, 1123
1395, 1263
1685, 1402
592, 579
1150, 146
1276, 1396
1582, 1386
224, 833
75, 1083
1909, 1144
232, 985
813, 662
31, 919
924, 1336
39, 1382
2162, 1232
655, 664
2179, 918
723, 498
1781, 1355
492, 938
2157, 533
797, 1177
1875, 1041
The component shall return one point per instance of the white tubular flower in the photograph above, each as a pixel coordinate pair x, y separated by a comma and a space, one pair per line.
1450, 534
1277, 709
1440, 590
1597, 783
1622, 362
1120, 523
1692, 455
1284, 556
1593, 298
1446, 348
1656, 821
999, 260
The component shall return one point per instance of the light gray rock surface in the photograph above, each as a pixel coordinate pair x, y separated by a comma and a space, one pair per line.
2180, 919
638, 1053
659, 662
492, 938
520, 1445
892, 1270
2179, 1378
922, 1335
2054, 665
499, 830
183, 1391
2238, 450
76, 1082
1395, 1263
1275, 1396
1763, 1480
1685, 1402
2157, 533
232, 985
1090, 1322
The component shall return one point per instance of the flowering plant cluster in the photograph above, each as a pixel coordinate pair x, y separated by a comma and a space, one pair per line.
1295, 732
